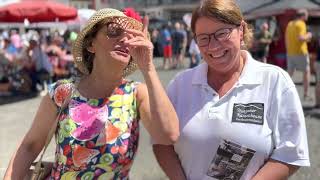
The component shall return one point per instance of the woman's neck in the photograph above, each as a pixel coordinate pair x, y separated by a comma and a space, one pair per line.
99, 84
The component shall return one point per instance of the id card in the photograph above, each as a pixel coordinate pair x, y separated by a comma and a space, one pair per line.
230, 161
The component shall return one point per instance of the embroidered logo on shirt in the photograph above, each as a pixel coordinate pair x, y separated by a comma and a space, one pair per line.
248, 113
230, 161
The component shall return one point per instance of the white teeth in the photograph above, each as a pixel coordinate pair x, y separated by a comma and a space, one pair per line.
218, 55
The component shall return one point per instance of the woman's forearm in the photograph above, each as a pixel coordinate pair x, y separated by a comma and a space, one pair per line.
275, 170
20, 163
163, 118
169, 161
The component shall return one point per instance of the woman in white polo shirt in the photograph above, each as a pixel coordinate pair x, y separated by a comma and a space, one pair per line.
239, 118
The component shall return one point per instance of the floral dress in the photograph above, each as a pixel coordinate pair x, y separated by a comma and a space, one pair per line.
95, 138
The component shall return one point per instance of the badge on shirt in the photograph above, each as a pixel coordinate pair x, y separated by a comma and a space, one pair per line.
230, 161
248, 113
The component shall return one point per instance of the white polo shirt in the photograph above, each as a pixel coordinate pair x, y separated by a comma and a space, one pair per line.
261, 117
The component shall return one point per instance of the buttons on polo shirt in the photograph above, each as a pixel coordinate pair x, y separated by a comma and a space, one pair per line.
213, 113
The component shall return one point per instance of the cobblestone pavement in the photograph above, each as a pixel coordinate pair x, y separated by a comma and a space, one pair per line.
16, 118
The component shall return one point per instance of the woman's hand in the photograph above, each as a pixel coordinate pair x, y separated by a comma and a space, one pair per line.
141, 48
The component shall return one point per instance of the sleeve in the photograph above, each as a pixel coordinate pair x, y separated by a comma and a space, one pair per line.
289, 129
59, 91
302, 29
171, 92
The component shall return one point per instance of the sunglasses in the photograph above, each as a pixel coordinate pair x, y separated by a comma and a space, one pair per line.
114, 30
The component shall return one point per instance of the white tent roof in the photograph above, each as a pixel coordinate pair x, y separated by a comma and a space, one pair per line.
5, 2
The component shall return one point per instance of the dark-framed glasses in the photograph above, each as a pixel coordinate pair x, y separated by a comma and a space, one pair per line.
220, 35
114, 30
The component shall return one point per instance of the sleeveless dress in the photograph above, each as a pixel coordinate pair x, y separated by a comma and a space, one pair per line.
96, 139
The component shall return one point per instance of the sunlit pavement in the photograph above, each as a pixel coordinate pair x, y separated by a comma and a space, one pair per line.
17, 117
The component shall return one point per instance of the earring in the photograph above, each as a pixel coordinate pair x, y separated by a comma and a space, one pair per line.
242, 44
78, 59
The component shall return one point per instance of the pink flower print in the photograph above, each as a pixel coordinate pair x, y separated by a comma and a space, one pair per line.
89, 119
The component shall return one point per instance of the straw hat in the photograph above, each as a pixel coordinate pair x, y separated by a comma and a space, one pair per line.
114, 16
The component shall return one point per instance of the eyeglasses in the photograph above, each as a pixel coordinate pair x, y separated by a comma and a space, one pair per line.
114, 30
220, 35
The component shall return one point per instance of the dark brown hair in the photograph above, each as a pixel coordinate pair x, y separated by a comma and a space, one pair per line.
226, 11
87, 42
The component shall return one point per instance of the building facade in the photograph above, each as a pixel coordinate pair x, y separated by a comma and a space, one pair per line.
163, 9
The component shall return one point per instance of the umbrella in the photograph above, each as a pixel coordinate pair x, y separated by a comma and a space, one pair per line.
277, 7
39, 11
6, 2
85, 14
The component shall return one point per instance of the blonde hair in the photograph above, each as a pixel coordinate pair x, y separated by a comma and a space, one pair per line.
226, 11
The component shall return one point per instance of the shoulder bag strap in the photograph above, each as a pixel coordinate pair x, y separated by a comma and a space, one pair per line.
52, 130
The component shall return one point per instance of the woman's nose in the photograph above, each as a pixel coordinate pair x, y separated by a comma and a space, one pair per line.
213, 44
124, 37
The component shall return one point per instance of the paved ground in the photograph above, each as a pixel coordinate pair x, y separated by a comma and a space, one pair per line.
15, 119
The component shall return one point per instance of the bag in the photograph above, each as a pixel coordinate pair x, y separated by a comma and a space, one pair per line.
41, 174
41, 170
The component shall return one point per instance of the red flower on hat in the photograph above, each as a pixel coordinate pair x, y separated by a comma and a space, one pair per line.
130, 12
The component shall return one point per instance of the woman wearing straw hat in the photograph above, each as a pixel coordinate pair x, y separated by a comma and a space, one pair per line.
97, 132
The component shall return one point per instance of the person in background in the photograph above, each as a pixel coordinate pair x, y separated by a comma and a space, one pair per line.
184, 44
195, 55
97, 134
179, 41
166, 44
296, 37
264, 38
16, 40
240, 119
10, 51
5, 85
317, 67
43, 69
154, 39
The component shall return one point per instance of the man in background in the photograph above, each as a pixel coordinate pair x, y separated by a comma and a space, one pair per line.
297, 50
317, 66
264, 38
166, 43
179, 43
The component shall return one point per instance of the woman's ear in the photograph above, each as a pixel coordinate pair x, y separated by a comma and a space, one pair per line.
91, 48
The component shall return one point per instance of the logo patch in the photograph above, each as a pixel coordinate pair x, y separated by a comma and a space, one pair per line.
248, 113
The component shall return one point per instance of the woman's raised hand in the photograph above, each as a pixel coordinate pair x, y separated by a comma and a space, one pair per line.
140, 46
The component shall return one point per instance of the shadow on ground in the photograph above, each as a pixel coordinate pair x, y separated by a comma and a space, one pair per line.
16, 98
311, 111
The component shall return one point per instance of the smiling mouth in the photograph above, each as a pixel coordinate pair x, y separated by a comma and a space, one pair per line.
221, 54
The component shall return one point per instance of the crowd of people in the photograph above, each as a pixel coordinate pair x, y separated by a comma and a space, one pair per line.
34, 59
174, 43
